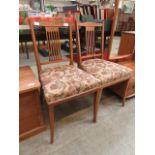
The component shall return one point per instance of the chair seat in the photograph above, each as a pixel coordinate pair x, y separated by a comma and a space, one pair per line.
106, 71
65, 81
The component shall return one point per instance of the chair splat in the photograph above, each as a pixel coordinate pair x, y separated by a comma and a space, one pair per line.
90, 40
53, 43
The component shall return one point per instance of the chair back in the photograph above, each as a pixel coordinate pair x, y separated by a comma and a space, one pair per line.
89, 40
52, 31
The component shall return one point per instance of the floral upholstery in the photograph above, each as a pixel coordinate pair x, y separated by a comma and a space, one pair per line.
105, 71
65, 81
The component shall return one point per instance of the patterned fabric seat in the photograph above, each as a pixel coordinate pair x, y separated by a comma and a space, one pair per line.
106, 71
65, 81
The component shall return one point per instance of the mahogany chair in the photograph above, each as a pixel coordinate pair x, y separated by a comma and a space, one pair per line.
91, 60
66, 82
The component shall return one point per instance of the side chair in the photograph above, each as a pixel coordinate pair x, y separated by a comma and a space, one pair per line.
91, 59
65, 82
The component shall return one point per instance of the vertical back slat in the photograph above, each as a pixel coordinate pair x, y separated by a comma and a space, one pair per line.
53, 41
50, 41
78, 43
71, 44
53, 44
86, 40
93, 41
90, 40
48, 45
102, 40
57, 45
89, 36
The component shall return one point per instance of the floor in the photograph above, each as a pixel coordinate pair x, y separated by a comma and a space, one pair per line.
76, 134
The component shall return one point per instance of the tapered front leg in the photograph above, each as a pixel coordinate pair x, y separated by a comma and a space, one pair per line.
97, 99
123, 102
125, 91
51, 121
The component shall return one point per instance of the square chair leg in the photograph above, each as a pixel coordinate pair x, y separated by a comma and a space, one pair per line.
97, 99
51, 121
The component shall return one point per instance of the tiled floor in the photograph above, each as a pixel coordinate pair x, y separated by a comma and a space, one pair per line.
75, 134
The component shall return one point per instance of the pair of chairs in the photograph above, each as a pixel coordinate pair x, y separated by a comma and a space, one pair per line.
67, 82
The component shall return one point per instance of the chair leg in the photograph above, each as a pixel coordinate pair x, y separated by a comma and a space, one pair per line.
125, 90
123, 101
27, 52
97, 99
22, 46
51, 121
42, 96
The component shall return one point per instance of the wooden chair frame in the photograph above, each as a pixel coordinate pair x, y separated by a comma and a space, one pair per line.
89, 26
51, 34
90, 40
96, 91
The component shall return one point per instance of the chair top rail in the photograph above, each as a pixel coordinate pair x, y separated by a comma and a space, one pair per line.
89, 24
48, 23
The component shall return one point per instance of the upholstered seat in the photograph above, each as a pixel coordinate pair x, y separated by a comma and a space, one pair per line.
65, 81
105, 71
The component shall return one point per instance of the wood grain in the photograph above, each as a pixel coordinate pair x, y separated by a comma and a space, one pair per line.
27, 80
30, 115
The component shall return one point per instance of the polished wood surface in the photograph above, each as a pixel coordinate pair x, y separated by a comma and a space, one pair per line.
127, 43
27, 80
30, 116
